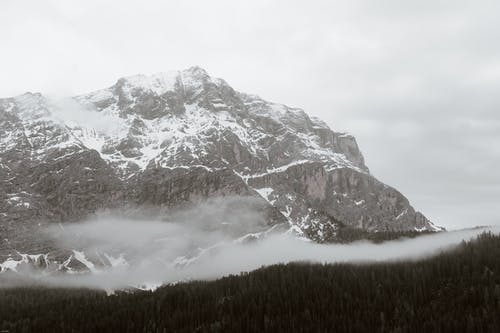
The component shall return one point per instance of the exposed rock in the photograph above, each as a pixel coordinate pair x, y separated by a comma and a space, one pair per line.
177, 139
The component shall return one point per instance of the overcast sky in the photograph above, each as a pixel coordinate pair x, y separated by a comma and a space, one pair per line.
417, 82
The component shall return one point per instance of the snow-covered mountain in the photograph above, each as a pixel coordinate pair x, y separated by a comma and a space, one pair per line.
177, 138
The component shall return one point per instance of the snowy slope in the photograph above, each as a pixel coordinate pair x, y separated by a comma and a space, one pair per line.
177, 137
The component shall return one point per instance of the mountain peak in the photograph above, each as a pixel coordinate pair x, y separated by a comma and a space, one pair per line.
182, 135
196, 70
159, 83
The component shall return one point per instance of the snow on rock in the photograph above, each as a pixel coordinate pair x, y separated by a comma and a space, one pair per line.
25, 259
186, 123
80, 256
265, 192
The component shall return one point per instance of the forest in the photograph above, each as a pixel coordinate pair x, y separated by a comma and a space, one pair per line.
454, 291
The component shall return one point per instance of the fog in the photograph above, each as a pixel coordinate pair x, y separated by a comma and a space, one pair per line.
207, 241
73, 114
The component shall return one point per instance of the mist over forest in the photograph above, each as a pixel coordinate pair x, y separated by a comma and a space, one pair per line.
205, 242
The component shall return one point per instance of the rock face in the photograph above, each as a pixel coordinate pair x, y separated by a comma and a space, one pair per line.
178, 138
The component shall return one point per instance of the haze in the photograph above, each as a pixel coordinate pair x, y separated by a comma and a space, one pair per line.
158, 252
205, 241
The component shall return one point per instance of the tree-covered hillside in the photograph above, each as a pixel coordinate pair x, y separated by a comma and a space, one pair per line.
457, 291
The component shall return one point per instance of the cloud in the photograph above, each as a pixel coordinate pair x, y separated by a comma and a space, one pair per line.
71, 113
208, 241
157, 233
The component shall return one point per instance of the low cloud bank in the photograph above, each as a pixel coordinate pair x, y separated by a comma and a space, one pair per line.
212, 240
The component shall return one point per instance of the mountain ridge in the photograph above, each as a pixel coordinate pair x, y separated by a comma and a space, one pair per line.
178, 138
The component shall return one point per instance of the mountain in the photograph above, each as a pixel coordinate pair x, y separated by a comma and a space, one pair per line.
175, 139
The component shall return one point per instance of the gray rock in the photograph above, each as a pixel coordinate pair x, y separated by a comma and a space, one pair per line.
177, 139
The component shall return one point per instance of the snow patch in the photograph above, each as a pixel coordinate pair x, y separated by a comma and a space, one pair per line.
80, 256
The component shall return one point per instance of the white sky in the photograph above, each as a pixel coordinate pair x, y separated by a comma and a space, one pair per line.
417, 82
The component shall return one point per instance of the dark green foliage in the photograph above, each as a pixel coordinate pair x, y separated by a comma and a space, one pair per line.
453, 292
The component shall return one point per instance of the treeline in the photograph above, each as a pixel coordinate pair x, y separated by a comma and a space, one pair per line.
349, 234
457, 291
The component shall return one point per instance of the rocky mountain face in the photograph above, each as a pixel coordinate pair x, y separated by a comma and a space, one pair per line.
175, 139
